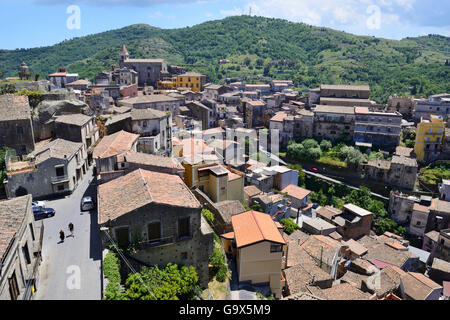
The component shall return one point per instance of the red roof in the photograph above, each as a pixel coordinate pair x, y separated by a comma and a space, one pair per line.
252, 227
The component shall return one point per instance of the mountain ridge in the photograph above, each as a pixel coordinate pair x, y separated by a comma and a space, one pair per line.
259, 49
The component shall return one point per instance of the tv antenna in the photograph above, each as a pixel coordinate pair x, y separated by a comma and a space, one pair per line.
250, 11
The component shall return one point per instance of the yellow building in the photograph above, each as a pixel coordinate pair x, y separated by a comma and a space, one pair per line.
192, 80
429, 137
258, 246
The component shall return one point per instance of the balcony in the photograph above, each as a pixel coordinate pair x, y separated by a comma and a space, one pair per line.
156, 242
59, 179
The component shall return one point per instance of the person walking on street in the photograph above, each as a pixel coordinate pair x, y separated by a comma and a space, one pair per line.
62, 236
71, 229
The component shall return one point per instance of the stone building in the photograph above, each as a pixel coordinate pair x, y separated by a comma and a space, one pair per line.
106, 152
406, 106
202, 113
255, 114
78, 128
55, 167
149, 71
381, 129
157, 214
155, 130
438, 104
16, 129
401, 207
159, 102
334, 122
20, 249
400, 171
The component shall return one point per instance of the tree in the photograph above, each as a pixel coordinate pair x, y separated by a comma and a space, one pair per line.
289, 225
174, 282
325, 145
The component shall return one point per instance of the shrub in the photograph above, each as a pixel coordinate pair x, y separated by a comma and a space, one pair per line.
325, 145
289, 225
111, 270
222, 273
208, 215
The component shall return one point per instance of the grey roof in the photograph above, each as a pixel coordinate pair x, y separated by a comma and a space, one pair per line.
319, 224
334, 109
14, 107
12, 215
229, 208
150, 99
58, 148
409, 162
422, 254
147, 114
357, 210
77, 119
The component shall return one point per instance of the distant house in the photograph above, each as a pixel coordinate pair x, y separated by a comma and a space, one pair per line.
259, 249
20, 249
416, 286
55, 167
155, 130
383, 252
298, 196
78, 128
325, 251
106, 152
16, 128
161, 218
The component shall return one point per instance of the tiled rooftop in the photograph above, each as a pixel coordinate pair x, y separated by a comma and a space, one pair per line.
140, 188
14, 107
12, 214
115, 144
77, 119
251, 227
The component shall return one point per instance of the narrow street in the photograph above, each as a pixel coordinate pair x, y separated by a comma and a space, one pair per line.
78, 257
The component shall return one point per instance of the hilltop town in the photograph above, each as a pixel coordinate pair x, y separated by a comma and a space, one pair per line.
238, 191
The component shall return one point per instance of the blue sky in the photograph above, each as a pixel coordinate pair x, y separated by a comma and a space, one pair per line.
43, 22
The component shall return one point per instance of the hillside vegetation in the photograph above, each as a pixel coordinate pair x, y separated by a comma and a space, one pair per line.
259, 49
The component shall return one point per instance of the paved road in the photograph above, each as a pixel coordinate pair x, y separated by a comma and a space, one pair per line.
82, 251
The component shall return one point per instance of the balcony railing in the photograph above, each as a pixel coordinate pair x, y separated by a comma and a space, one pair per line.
156, 242
59, 179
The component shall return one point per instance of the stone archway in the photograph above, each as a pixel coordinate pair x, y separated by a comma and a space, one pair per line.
21, 191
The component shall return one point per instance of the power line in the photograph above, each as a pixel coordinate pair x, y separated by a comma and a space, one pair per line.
129, 265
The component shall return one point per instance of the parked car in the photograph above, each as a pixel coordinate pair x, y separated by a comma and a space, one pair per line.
315, 205
38, 204
315, 170
87, 204
42, 213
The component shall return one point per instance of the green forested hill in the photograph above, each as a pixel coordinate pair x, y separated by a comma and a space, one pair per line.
259, 49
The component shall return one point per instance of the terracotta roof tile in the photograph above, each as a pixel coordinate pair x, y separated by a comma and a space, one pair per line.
296, 192
252, 227
12, 215
140, 188
115, 144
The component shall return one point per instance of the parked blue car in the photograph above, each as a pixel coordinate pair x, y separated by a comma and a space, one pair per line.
42, 213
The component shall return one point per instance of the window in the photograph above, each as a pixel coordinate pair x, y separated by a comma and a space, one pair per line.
276, 248
184, 255
32, 231
60, 187
59, 171
122, 237
154, 231
13, 287
183, 227
26, 253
